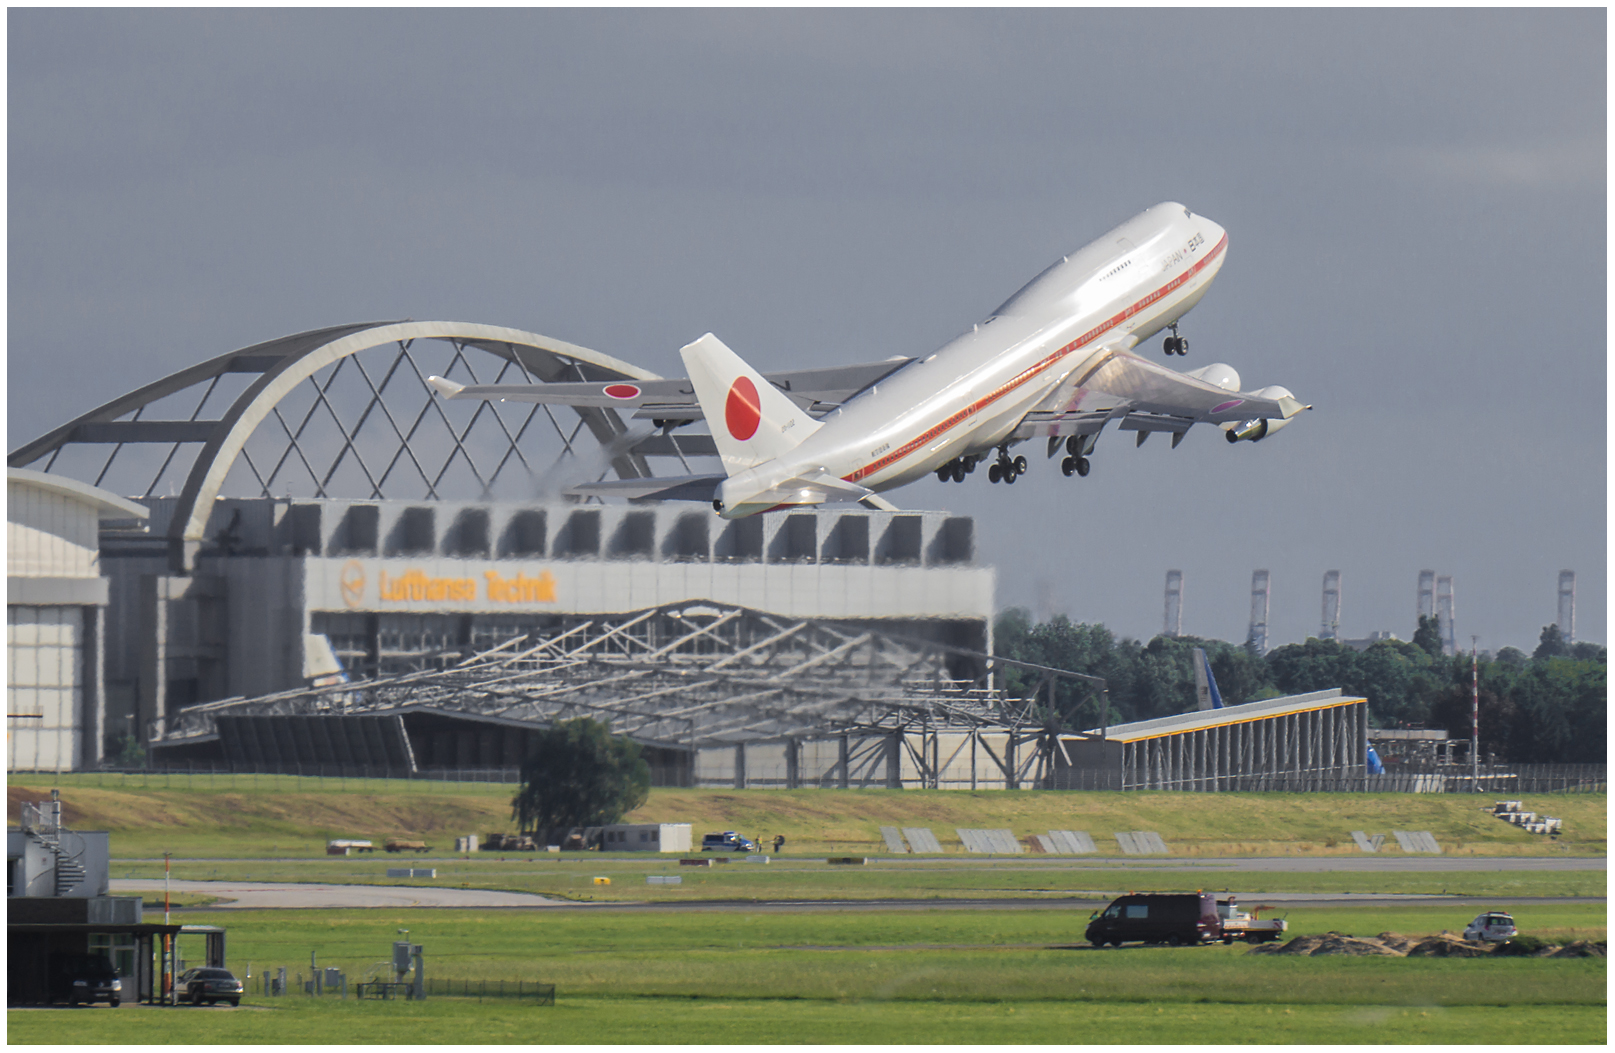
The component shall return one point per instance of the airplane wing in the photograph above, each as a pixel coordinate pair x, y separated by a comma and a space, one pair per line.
816, 390
1145, 397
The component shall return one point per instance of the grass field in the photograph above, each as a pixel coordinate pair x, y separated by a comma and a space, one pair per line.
571, 876
246, 816
880, 977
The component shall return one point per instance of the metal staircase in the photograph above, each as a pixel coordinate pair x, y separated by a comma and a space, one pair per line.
43, 821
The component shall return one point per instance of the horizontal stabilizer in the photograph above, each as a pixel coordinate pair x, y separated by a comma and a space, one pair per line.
812, 489
670, 488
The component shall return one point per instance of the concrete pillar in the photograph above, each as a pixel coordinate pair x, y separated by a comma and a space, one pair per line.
793, 763
740, 765
894, 761
844, 764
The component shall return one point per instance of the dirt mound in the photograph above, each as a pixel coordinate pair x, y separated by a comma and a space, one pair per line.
1387, 944
1329, 943
1397, 942
1445, 946
1579, 949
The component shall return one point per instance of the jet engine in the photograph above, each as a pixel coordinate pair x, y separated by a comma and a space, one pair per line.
1261, 427
1219, 373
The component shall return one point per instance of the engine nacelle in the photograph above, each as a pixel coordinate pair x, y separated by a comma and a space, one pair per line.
1260, 428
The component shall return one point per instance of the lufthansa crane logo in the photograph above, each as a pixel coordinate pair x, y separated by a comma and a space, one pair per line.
352, 581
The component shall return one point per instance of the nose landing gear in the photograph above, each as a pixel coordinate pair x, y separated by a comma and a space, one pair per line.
1175, 344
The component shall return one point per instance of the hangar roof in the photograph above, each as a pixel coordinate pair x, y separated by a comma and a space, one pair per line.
1199, 720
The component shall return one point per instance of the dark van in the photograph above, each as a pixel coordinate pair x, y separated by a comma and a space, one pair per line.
1176, 918
76, 978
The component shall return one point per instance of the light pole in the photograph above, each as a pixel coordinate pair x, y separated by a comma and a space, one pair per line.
1474, 714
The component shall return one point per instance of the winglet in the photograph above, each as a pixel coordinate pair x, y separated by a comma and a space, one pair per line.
1290, 406
447, 388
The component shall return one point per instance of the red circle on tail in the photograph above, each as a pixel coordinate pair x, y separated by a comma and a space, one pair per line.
743, 410
622, 391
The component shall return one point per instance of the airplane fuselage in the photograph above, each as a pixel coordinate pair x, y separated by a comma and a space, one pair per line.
969, 396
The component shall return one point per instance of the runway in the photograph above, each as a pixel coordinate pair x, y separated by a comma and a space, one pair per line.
258, 895
262, 895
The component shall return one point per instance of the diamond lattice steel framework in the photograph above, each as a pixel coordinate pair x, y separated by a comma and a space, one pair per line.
346, 411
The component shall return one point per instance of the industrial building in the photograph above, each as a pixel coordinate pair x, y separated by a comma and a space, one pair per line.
314, 513
1316, 741
56, 597
57, 904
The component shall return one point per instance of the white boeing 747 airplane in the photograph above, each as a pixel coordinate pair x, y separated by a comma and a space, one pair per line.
1054, 362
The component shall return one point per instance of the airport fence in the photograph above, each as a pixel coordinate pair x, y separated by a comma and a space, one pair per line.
484, 990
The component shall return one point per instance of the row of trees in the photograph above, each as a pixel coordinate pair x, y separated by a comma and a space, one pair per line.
1545, 707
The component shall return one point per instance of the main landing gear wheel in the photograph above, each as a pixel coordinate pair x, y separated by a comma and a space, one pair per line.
959, 471
1074, 466
1020, 465
995, 472
1175, 344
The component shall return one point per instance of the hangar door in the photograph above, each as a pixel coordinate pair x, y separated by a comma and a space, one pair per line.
45, 658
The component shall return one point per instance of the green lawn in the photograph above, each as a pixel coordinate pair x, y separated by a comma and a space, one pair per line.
264, 816
790, 877
929, 976
662, 1021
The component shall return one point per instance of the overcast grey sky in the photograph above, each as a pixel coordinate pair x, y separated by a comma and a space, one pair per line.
1415, 203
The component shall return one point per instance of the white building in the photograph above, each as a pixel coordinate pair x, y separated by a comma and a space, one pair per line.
55, 596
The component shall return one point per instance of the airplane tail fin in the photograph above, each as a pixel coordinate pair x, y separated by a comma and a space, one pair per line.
1205, 685
752, 421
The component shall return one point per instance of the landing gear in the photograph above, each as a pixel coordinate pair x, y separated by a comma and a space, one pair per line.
1175, 344
956, 469
1078, 446
1006, 469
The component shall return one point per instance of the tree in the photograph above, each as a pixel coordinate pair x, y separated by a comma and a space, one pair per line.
127, 752
1427, 636
1552, 644
579, 774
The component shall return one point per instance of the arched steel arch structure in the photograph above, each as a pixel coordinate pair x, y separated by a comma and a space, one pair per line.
310, 363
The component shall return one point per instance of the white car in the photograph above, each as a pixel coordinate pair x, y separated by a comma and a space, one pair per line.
1494, 927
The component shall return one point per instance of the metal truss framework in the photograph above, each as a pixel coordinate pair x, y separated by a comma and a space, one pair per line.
689, 676
320, 418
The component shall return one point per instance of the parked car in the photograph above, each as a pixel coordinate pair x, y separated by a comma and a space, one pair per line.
1494, 926
728, 841
76, 978
209, 984
1175, 918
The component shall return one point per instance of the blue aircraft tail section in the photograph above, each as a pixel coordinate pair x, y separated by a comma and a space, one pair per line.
1205, 684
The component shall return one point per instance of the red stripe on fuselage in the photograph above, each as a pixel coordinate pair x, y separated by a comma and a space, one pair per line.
1032, 371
